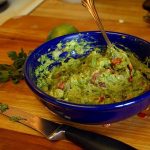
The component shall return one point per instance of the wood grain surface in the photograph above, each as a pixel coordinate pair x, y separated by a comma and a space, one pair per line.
11, 140
126, 10
16, 34
29, 32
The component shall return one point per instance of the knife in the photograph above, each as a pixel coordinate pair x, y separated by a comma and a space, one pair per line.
55, 131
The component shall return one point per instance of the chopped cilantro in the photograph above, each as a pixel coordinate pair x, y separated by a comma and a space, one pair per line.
16, 118
3, 107
13, 72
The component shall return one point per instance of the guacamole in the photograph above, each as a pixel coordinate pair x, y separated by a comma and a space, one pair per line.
101, 77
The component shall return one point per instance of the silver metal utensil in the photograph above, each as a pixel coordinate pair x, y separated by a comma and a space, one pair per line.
55, 131
89, 4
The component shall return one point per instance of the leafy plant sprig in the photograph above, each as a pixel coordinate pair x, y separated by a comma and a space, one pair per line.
13, 72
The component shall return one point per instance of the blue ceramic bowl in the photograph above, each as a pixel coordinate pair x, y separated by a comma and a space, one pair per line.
90, 114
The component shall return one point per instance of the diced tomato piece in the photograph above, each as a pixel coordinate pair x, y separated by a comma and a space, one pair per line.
94, 76
130, 69
130, 78
116, 61
142, 115
101, 98
61, 85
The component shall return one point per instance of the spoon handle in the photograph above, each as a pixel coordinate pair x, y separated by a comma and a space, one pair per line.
89, 4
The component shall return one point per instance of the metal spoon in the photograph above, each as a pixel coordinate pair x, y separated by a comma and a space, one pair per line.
89, 4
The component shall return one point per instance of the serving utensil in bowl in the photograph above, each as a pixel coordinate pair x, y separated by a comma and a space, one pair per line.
89, 4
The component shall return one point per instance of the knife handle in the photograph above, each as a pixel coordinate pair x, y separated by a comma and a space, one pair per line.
92, 141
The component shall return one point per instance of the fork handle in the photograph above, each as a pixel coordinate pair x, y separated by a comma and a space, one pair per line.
92, 141
89, 4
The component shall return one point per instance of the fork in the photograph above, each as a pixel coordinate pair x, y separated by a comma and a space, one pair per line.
89, 4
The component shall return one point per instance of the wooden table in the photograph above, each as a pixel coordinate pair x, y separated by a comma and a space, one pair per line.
28, 32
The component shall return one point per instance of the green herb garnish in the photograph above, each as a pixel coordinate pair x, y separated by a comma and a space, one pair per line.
16, 118
3, 107
14, 71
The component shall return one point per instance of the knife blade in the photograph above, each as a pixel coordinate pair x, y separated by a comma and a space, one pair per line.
56, 131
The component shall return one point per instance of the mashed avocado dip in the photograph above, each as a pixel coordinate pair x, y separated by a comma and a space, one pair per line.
102, 77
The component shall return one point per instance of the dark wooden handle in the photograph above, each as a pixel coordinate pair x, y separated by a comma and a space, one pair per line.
92, 141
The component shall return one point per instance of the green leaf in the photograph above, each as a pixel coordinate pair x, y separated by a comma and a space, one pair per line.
4, 67
4, 76
18, 63
3, 107
16, 118
12, 55
13, 72
22, 54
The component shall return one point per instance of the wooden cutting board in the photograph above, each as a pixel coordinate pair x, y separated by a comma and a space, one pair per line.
28, 32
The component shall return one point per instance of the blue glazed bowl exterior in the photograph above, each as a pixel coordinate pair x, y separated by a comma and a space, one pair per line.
90, 114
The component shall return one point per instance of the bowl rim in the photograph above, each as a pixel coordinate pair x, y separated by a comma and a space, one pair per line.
65, 104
